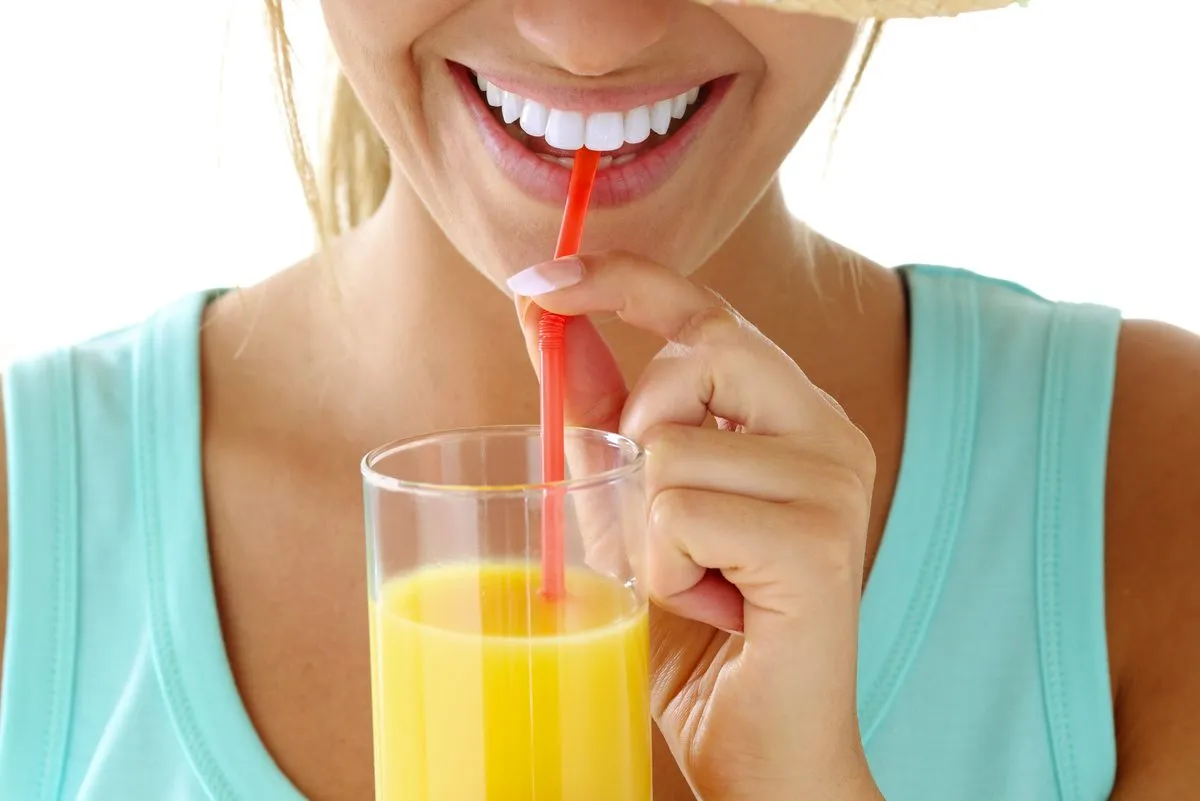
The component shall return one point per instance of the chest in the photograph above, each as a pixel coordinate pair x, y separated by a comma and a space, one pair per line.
288, 572
286, 536
287, 546
288, 560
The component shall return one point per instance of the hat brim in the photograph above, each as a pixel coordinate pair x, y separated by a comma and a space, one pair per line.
858, 10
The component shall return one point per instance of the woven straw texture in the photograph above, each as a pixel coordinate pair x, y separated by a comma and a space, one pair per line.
877, 9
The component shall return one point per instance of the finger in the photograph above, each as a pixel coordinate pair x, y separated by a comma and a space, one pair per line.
607, 517
643, 293
782, 562
594, 394
713, 600
733, 373
594, 390
735, 362
769, 468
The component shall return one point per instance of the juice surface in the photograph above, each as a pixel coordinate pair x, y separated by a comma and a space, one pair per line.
485, 691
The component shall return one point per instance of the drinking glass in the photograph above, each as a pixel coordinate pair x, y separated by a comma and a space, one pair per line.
484, 688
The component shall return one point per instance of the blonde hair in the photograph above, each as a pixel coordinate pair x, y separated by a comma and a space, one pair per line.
354, 169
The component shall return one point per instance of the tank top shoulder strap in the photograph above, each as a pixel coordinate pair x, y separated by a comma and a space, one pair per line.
77, 571
1080, 372
1036, 498
39, 652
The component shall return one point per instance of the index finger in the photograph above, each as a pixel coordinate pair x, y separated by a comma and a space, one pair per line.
644, 294
724, 365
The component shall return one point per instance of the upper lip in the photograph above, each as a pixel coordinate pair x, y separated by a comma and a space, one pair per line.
592, 98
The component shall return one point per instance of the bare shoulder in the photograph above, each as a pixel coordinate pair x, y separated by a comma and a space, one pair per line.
1153, 553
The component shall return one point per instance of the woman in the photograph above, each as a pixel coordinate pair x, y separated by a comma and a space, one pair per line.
1011, 480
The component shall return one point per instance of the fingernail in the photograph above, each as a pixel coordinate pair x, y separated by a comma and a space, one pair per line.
547, 277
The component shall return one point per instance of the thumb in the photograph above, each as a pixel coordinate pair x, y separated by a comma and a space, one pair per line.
593, 387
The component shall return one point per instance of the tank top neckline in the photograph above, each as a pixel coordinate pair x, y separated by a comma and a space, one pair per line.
210, 718
212, 723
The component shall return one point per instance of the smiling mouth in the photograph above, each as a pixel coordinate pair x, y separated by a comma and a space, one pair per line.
623, 136
642, 138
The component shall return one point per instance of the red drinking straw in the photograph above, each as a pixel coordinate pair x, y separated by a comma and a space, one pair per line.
550, 344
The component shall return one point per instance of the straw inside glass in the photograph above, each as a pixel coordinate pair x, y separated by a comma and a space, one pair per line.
553, 356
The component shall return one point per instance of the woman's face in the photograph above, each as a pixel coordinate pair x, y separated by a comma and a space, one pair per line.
615, 75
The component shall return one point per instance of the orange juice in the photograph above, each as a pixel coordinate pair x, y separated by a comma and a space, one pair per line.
485, 691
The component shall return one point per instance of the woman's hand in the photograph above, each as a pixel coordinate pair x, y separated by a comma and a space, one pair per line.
755, 527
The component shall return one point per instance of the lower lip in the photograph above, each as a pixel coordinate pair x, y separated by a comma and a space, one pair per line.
616, 185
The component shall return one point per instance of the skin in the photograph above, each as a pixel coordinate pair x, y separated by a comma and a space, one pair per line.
299, 379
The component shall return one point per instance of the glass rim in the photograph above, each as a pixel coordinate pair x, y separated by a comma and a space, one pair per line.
379, 481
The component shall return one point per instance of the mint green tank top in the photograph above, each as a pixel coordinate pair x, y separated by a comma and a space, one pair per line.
983, 670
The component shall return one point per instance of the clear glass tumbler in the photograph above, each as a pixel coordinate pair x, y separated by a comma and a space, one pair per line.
484, 689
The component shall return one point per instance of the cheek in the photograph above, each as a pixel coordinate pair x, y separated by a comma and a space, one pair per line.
376, 42
382, 27
803, 56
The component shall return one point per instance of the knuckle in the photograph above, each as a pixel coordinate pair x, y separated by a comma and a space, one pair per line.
851, 508
850, 441
622, 259
842, 487
852, 453
664, 445
664, 440
712, 325
669, 508
839, 559
862, 457
839, 477
830, 547
835, 503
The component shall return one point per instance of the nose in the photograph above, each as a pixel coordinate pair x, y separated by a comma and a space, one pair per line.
594, 37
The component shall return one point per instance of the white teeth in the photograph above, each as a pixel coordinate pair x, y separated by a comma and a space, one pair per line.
564, 129
678, 106
602, 131
511, 107
534, 118
637, 125
604, 162
605, 131
621, 160
660, 117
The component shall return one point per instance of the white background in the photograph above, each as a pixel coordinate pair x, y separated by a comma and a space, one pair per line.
142, 155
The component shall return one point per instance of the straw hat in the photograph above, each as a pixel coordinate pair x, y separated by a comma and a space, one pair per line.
877, 9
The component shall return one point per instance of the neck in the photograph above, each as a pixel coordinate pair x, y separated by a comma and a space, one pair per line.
403, 282
407, 335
